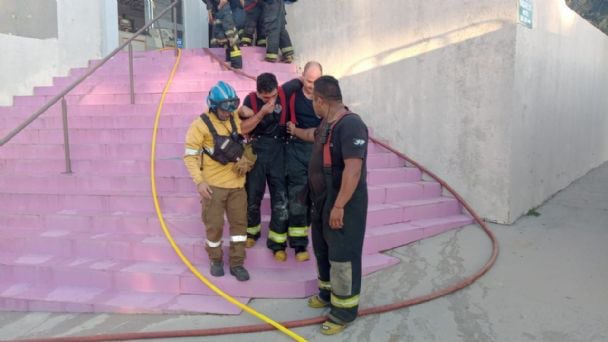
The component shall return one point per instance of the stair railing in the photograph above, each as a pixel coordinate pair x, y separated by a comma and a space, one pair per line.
61, 96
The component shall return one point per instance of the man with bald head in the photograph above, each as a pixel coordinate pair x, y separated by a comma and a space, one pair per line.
299, 93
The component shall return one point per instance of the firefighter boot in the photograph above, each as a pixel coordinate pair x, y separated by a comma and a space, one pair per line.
302, 255
240, 273
317, 302
280, 256
250, 242
236, 59
330, 327
217, 269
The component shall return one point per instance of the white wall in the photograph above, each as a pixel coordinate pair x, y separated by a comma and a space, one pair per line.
28, 62
195, 23
560, 114
505, 114
430, 77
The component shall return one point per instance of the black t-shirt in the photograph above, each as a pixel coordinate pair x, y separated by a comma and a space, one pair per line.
305, 113
269, 125
349, 140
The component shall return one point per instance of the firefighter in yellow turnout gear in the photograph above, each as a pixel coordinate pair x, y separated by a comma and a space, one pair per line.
213, 156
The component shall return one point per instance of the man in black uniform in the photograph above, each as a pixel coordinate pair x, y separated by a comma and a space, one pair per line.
277, 36
299, 93
224, 32
264, 115
338, 192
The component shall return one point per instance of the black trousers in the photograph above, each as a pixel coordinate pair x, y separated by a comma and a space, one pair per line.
297, 155
339, 251
225, 35
268, 169
254, 26
277, 36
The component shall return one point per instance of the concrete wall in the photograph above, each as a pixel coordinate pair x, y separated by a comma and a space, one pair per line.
560, 113
27, 62
433, 81
505, 114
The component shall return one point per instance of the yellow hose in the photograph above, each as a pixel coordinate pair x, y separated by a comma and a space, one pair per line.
168, 235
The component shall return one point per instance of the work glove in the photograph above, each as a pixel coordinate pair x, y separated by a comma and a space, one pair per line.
246, 162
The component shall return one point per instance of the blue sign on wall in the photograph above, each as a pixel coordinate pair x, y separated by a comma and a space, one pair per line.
526, 12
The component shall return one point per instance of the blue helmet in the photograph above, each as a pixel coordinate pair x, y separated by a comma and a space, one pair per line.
223, 96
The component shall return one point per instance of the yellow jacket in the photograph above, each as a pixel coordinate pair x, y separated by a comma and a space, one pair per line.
210, 171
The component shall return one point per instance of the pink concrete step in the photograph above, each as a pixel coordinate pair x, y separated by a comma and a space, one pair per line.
142, 87
30, 297
182, 75
390, 236
123, 98
54, 167
98, 151
192, 97
163, 69
393, 192
54, 121
36, 297
107, 110
83, 184
155, 247
164, 150
101, 135
136, 166
163, 277
384, 214
184, 203
379, 176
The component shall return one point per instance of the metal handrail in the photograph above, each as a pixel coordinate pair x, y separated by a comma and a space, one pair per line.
62, 94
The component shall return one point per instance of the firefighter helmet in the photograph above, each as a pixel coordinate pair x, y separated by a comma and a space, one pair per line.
223, 96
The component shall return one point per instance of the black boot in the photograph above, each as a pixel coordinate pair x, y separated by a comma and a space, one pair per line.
240, 273
217, 269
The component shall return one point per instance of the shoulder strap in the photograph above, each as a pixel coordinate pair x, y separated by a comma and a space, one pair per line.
283, 118
209, 124
326, 147
292, 108
233, 125
253, 99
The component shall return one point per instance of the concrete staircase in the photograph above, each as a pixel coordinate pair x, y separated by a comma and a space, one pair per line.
91, 241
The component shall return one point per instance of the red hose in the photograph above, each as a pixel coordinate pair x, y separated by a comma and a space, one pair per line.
245, 329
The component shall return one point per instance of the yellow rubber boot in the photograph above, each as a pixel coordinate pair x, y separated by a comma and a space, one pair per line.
316, 302
249, 243
331, 328
280, 256
302, 256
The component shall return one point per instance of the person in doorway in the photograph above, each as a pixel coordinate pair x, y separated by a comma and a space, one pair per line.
264, 115
214, 152
299, 92
224, 32
338, 193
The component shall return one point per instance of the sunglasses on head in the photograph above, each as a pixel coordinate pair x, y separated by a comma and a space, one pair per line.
229, 105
